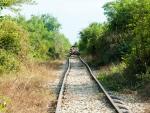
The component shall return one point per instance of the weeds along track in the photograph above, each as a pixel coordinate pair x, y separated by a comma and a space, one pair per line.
81, 92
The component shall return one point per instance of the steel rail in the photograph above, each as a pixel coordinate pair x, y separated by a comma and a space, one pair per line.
59, 100
102, 88
115, 102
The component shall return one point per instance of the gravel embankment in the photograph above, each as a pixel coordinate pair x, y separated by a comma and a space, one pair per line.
81, 93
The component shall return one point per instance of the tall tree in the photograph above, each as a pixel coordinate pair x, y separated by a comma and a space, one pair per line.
50, 22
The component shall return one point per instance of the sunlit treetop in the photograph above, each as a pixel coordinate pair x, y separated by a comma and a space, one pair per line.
11, 3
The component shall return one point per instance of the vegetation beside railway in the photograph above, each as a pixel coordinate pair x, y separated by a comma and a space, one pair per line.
28, 49
122, 45
35, 39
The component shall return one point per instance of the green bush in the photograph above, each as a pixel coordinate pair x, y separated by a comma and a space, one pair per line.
13, 45
113, 82
8, 62
125, 37
5, 101
113, 79
137, 66
13, 38
138, 62
46, 42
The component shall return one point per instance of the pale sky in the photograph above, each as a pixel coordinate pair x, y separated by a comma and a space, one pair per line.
73, 15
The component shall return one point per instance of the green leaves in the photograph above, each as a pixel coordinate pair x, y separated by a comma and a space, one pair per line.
13, 4
13, 41
8, 62
125, 37
45, 40
12, 37
89, 37
4, 101
8, 3
21, 39
50, 23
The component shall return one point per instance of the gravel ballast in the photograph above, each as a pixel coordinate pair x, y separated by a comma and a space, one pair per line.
134, 102
81, 92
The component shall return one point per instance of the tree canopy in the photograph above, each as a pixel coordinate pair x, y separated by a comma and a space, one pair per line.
123, 38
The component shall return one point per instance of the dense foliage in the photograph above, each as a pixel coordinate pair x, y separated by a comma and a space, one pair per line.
24, 40
44, 37
13, 44
125, 37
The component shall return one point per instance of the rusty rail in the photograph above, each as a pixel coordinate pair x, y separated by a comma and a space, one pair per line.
115, 101
59, 101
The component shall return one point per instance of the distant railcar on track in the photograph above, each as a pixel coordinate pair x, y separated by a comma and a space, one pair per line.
74, 51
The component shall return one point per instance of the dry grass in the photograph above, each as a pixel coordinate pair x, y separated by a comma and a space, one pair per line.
28, 90
147, 110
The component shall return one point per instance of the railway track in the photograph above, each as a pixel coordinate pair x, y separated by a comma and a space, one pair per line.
81, 92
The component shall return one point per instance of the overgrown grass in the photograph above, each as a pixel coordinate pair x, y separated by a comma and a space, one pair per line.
8, 62
114, 78
28, 91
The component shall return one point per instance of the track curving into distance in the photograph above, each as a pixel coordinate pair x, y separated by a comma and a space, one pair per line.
81, 92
